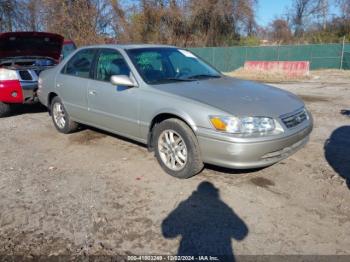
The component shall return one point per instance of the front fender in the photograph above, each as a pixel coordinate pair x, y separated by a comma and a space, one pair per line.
167, 112
179, 114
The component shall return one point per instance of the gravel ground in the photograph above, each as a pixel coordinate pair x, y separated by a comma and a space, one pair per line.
93, 193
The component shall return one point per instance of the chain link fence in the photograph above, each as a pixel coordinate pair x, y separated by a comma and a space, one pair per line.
321, 56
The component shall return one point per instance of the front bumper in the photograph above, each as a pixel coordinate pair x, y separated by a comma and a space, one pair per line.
251, 153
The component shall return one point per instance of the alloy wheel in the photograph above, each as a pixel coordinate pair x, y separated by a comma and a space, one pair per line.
59, 115
172, 150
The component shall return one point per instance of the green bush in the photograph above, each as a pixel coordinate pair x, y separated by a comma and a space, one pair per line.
249, 41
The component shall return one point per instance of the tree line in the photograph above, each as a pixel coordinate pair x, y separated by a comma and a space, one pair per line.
177, 22
311, 21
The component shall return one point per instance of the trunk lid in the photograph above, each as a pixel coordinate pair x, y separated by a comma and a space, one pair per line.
30, 44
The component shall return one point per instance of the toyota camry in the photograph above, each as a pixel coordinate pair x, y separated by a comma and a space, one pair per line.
182, 108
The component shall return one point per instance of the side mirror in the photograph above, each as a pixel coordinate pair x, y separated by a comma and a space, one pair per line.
122, 80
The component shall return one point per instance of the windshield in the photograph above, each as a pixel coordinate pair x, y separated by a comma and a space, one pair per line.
167, 65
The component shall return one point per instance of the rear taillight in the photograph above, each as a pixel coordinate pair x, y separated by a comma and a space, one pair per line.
10, 87
11, 91
8, 74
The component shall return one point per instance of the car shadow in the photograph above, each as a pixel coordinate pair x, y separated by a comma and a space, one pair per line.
207, 167
231, 171
30, 108
206, 225
337, 152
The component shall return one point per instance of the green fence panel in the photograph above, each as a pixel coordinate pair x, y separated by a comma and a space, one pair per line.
326, 56
294, 53
220, 58
264, 53
205, 53
325, 63
320, 55
236, 56
346, 57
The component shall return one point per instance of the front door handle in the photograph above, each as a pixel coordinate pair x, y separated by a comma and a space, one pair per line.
92, 92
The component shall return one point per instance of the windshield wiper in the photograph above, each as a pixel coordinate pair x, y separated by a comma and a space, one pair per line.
178, 79
202, 76
172, 79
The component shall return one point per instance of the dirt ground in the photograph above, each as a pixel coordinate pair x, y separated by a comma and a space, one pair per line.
92, 193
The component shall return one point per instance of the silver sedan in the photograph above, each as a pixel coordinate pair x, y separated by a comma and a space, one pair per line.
186, 111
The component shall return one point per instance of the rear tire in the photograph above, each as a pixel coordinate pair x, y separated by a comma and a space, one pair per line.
60, 117
176, 149
5, 109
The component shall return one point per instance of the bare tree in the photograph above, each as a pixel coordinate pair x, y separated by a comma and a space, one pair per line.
81, 20
344, 6
301, 12
216, 21
245, 12
31, 18
323, 12
340, 25
180, 22
120, 23
280, 31
8, 15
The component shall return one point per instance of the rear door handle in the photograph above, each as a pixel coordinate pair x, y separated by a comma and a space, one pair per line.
92, 92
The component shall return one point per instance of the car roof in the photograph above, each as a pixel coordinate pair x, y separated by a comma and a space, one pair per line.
129, 46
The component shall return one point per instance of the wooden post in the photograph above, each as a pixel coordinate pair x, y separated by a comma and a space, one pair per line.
342, 54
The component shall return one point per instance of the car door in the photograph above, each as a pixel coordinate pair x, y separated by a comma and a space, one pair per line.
114, 108
73, 81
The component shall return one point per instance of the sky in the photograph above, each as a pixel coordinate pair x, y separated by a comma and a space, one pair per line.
269, 9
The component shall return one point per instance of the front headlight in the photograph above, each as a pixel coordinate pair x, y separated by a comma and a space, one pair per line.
245, 125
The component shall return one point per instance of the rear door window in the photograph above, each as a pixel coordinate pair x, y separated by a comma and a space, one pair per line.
80, 64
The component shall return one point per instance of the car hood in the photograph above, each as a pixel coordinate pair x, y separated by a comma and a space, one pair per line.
33, 44
237, 97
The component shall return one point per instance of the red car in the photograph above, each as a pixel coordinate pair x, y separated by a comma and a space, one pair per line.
23, 55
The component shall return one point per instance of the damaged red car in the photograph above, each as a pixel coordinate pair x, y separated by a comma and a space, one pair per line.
23, 55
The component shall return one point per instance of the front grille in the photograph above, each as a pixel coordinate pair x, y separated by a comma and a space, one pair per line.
25, 75
295, 119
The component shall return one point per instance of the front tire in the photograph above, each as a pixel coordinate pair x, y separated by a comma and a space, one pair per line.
177, 149
60, 117
5, 109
